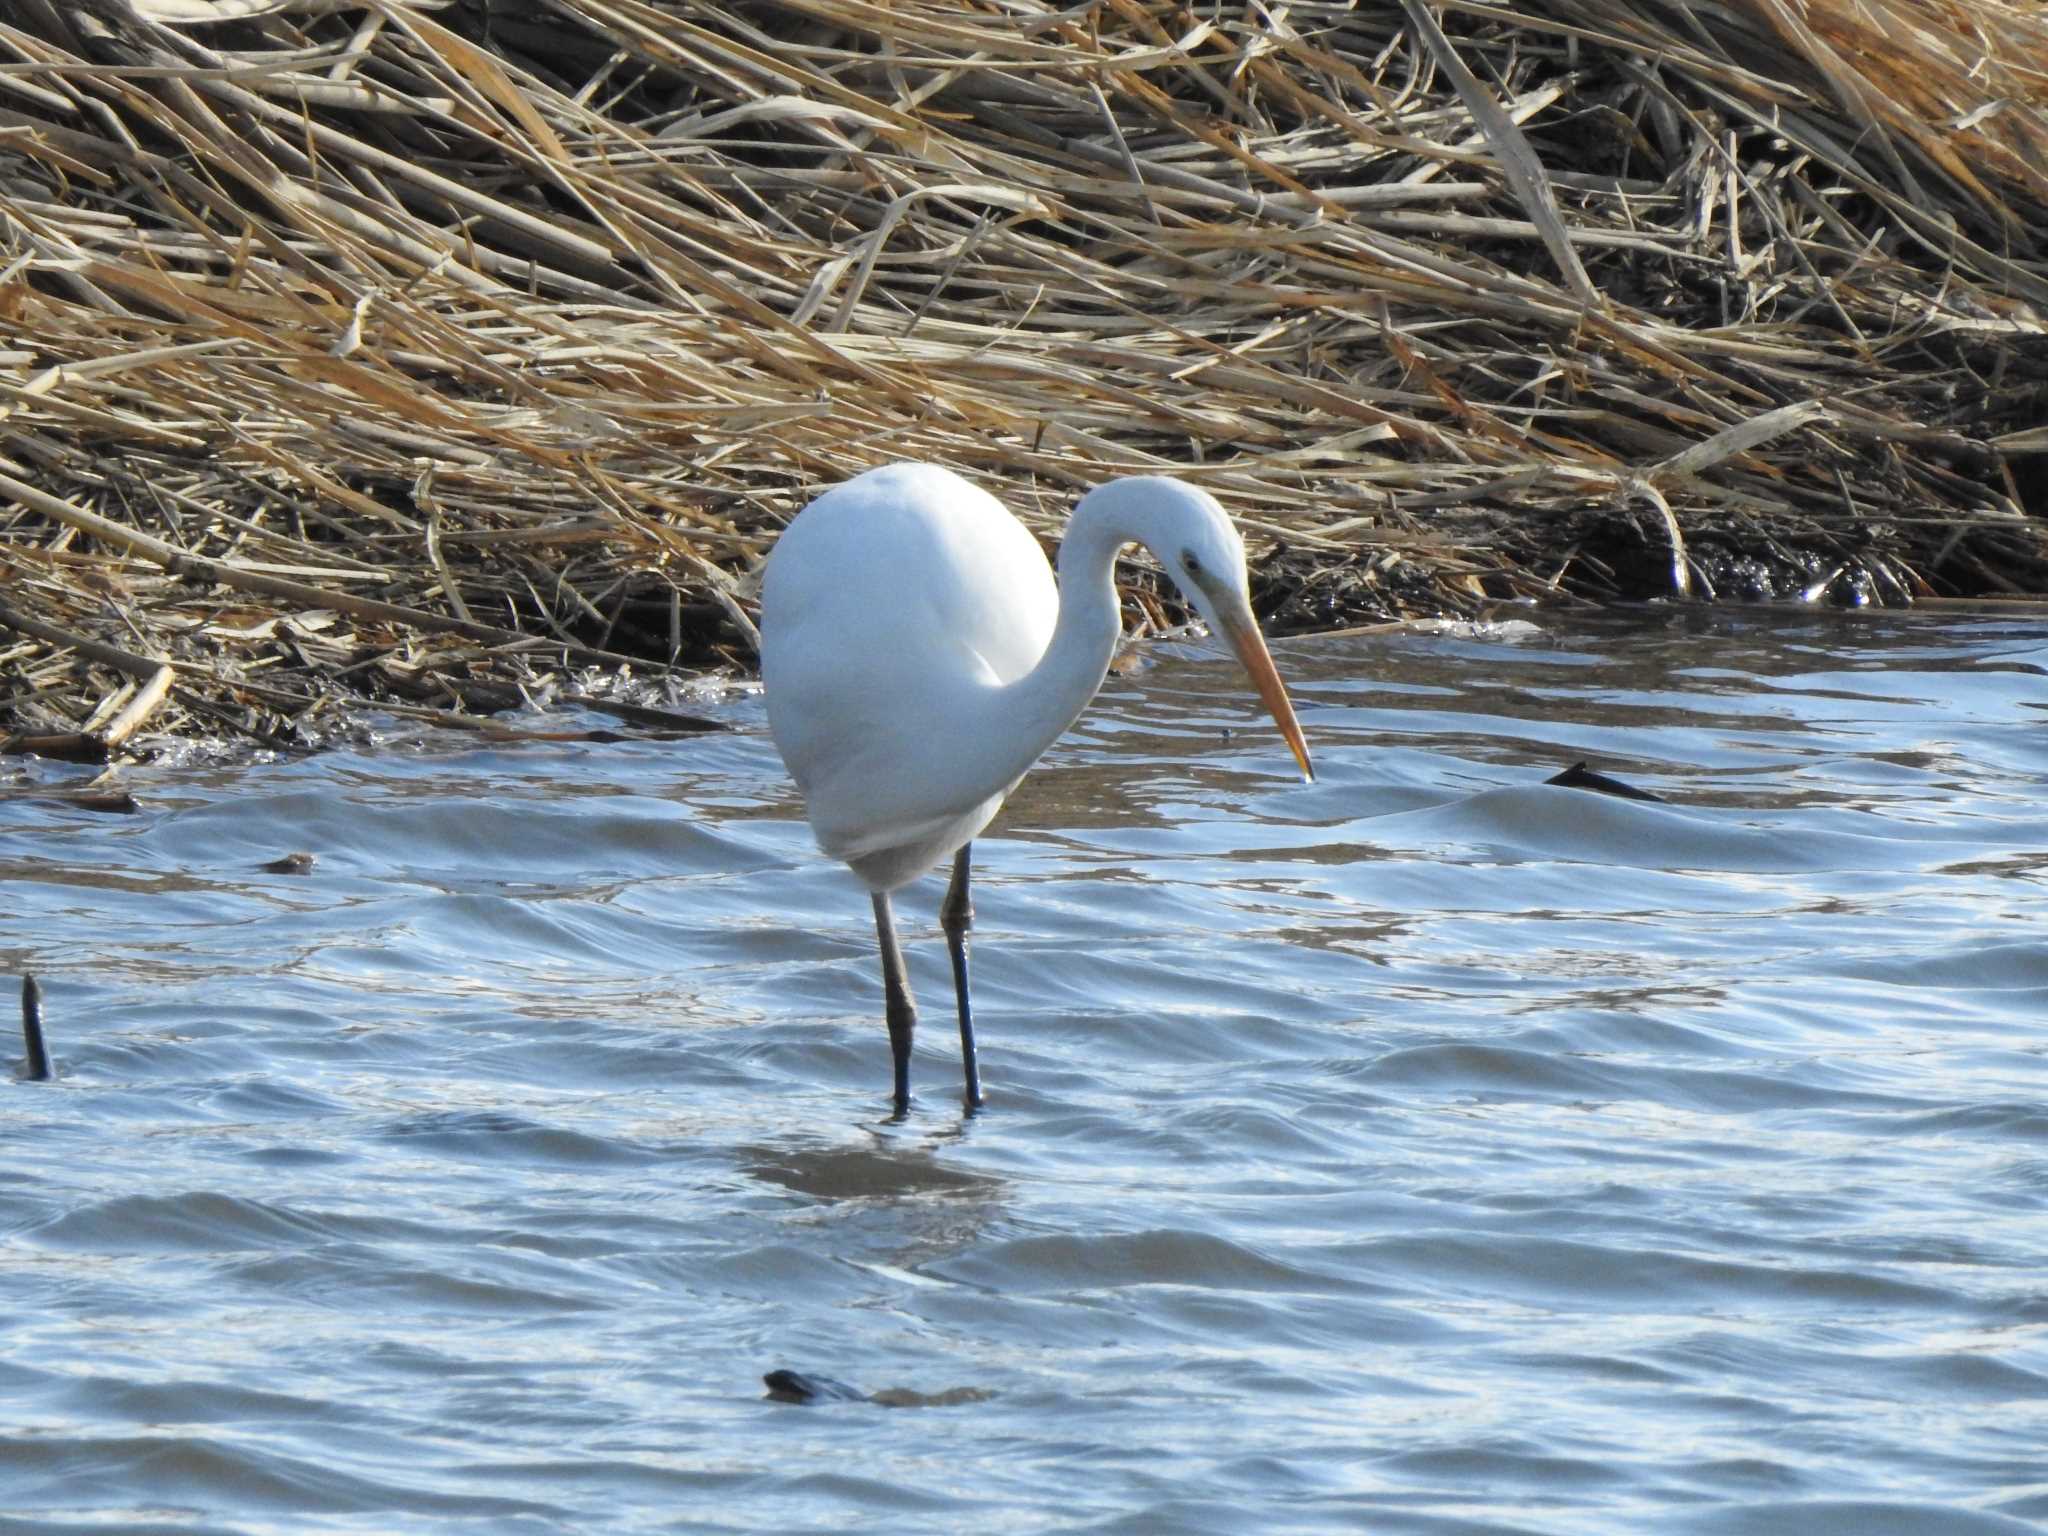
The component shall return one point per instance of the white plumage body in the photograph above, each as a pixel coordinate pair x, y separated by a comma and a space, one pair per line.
918, 658
890, 608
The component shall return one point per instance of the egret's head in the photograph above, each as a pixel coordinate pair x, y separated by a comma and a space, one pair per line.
1191, 535
1206, 561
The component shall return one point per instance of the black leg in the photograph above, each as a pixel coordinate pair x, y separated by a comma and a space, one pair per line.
957, 917
899, 1009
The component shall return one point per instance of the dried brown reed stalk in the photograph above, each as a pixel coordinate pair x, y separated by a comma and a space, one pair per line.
424, 352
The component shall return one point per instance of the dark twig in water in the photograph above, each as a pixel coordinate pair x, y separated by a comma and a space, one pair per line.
1579, 776
118, 802
35, 1067
642, 715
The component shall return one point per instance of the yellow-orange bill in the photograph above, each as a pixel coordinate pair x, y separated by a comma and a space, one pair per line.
1250, 646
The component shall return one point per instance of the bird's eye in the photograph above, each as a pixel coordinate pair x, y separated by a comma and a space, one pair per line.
1187, 559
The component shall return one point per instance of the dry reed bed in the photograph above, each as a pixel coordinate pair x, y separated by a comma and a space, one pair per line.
438, 353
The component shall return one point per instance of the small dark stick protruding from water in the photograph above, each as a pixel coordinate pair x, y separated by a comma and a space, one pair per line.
36, 1067
1579, 776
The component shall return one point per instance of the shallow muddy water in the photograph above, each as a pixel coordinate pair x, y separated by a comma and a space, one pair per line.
1427, 1149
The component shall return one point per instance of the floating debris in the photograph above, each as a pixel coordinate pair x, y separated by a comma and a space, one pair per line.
796, 1387
1579, 776
799, 1387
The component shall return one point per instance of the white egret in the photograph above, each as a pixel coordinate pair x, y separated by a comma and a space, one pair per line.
918, 659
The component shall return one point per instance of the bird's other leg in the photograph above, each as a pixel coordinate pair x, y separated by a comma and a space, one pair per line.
957, 917
900, 1011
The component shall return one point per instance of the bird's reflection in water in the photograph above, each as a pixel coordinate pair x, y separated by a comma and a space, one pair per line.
891, 1204
878, 1168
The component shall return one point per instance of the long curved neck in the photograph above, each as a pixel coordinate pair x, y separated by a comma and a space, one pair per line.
1027, 716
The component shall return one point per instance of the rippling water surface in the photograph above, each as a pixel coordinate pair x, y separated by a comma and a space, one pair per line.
1425, 1150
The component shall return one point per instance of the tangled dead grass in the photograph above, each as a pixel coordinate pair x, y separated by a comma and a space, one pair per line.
433, 352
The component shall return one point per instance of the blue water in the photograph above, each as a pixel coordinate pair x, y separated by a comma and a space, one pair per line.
1428, 1149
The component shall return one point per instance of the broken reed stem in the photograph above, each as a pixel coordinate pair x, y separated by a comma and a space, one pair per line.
13, 618
138, 709
1518, 162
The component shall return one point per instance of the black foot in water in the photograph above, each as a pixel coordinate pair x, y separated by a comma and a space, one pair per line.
796, 1387
1579, 776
